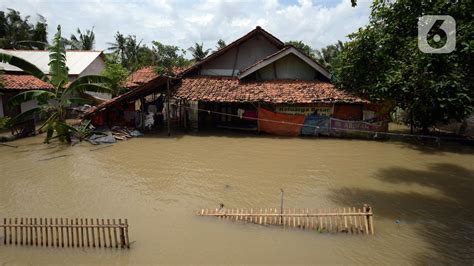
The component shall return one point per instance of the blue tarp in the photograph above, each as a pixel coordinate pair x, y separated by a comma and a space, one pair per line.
315, 125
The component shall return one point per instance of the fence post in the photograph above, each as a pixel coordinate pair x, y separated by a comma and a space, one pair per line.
281, 205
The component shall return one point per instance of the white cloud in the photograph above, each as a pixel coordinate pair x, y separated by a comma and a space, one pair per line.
182, 23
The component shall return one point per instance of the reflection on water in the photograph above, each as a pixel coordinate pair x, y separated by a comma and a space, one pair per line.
422, 198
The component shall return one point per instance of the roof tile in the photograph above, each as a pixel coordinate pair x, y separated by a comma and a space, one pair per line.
226, 89
22, 82
145, 75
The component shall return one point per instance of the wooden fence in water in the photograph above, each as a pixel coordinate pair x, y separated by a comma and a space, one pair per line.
65, 232
348, 220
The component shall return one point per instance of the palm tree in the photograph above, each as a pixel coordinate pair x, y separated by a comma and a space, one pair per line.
198, 52
329, 54
127, 49
132, 47
52, 104
118, 47
220, 44
84, 41
18, 33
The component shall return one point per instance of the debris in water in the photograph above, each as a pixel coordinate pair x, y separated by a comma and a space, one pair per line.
55, 157
100, 148
9, 145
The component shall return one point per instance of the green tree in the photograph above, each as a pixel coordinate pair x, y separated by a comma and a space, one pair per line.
303, 47
17, 33
382, 61
127, 50
327, 55
132, 48
220, 44
118, 47
52, 104
168, 57
83, 41
117, 75
198, 52
146, 57
39, 35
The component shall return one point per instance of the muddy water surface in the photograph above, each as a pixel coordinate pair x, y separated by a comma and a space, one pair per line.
423, 198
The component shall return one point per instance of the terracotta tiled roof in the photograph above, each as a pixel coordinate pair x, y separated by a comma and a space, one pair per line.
146, 74
22, 82
141, 76
225, 89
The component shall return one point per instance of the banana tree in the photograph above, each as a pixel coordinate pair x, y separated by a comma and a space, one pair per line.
52, 104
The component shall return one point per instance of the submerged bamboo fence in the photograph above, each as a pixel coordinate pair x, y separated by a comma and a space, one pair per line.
65, 232
339, 220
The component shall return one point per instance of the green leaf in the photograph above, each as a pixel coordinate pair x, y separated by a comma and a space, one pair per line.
26, 115
49, 134
57, 61
49, 121
39, 95
91, 87
90, 79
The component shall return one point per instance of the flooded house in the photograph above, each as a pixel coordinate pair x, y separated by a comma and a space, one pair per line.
256, 83
14, 80
13, 83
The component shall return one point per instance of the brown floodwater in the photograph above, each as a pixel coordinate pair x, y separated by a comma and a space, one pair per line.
423, 198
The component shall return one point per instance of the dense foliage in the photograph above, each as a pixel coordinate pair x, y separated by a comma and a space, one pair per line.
303, 47
17, 32
326, 56
53, 104
198, 52
329, 55
168, 57
83, 40
126, 50
220, 44
382, 61
117, 75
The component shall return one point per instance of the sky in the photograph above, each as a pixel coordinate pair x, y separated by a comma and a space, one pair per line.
315, 22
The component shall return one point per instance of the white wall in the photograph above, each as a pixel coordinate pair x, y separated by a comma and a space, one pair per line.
25, 106
95, 68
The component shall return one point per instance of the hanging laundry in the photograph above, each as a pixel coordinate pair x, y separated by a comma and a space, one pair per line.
149, 120
240, 113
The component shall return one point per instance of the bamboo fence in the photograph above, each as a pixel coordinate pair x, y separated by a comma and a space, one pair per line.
65, 232
334, 220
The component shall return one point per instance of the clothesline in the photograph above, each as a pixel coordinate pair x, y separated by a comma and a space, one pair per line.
437, 138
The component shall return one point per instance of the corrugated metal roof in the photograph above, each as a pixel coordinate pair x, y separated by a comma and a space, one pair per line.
76, 61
